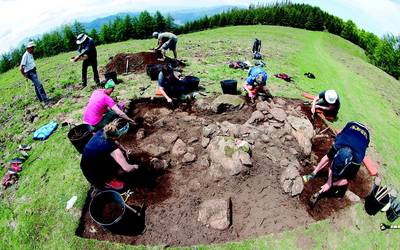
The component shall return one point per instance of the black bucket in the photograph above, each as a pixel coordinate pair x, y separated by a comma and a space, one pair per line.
111, 75
394, 210
372, 205
192, 82
80, 135
229, 87
109, 210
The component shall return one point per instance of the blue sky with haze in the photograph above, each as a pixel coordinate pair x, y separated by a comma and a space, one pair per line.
23, 18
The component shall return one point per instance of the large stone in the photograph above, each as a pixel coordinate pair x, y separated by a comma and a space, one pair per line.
291, 181
226, 103
202, 105
263, 106
230, 128
189, 157
205, 141
169, 137
256, 116
215, 213
210, 130
154, 150
278, 114
297, 186
303, 131
243, 157
179, 148
290, 173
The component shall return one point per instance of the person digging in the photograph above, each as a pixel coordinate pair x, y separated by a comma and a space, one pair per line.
166, 40
256, 82
342, 161
328, 102
102, 109
103, 161
169, 85
88, 54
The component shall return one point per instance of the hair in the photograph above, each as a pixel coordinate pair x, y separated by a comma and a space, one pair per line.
167, 70
111, 129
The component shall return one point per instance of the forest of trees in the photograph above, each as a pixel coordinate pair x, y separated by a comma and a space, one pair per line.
383, 52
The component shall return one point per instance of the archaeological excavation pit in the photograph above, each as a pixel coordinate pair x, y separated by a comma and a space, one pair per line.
211, 173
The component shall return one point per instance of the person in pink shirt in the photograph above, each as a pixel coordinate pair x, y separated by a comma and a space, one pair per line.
102, 109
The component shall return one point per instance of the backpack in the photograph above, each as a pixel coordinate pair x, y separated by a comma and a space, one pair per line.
257, 56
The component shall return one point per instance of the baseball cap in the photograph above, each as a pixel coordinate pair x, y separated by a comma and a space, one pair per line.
109, 84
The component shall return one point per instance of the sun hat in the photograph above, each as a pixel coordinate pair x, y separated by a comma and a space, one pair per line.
331, 96
109, 84
81, 38
30, 45
155, 34
341, 161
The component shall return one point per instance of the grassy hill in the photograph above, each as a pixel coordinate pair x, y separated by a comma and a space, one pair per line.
32, 213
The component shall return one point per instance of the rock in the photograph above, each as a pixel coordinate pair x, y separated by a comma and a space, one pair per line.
290, 173
188, 157
226, 103
204, 161
179, 148
256, 116
215, 213
286, 185
140, 134
154, 150
192, 140
265, 138
352, 196
189, 118
293, 151
303, 131
263, 106
194, 185
243, 157
190, 150
269, 116
230, 129
159, 164
297, 186
274, 153
210, 130
278, 114
169, 137
280, 101
284, 162
205, 141
202, 105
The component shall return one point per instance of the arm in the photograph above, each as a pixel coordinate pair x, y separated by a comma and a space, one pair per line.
323, 163
159, 44
165, 94
21, 69
118, 156
266, 91
121, 114
328, 184
314, 102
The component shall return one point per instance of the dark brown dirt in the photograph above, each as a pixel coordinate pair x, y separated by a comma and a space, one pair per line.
111, 212
172, 196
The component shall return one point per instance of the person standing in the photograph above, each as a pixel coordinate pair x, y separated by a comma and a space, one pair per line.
166, 40
28, 70
87, 53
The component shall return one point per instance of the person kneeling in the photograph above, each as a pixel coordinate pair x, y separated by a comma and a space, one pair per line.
169, 85
343, 160
328, 102
256, 82
102, 161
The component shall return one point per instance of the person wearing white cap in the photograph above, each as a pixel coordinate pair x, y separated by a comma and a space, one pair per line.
327, 101
28, 70
166, 40
87, 53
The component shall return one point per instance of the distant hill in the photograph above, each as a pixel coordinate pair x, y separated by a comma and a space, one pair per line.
180, 16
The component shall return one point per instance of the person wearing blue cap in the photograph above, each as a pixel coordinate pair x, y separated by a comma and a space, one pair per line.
102, 159
256, 82
343, 159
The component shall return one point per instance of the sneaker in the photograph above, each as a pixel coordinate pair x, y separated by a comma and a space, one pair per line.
115, 184
24, 147
17, 160
308, 177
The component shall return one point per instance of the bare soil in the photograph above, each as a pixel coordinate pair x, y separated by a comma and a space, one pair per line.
172, 196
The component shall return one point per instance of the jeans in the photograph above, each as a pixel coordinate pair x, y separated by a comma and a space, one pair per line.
40, 93
85, 65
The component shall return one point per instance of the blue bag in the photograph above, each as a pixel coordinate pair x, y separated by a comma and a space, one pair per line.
44, 132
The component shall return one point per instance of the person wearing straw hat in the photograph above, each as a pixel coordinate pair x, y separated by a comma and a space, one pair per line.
87, 53
256, 82
343, 159
166, 40
28, 70
327, 101
102, 109
103, 160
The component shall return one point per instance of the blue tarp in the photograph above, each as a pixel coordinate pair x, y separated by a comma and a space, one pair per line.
44, 132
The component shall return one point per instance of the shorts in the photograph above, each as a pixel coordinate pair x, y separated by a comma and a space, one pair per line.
350, 172
170, 44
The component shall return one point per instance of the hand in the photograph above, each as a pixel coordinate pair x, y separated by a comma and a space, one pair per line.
169, 100
135, 167
313, 109
325, 188
132, 122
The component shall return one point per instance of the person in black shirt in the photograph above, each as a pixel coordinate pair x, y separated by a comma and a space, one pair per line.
170, 85
87, 53
327, 101
102, 161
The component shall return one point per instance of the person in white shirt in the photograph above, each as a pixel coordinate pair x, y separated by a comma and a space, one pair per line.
28, 70
166, 40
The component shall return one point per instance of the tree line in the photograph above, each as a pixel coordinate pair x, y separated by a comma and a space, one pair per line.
384, 52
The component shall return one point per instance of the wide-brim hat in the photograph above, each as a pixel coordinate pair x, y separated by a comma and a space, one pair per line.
331, 96
81, 38
30, 45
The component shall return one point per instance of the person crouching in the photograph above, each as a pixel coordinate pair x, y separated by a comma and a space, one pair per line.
256, 82
102, 161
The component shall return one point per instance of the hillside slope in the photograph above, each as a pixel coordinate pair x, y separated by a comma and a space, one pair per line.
32, 213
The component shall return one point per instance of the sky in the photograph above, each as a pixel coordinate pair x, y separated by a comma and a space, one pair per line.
20, 19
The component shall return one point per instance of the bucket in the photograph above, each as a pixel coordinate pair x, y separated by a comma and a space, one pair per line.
394, 210
111, 75
192, 82
229, 87
80, 135
372, 205
109, 210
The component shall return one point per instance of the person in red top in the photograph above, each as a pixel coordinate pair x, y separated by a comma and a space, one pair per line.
102, 109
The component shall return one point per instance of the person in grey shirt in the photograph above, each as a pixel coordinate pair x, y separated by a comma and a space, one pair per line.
28, 70
166, 40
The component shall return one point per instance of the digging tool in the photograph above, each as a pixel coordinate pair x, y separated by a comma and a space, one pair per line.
384, 227
314, 198
143, 89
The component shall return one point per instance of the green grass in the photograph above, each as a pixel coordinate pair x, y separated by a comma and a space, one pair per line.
32, 214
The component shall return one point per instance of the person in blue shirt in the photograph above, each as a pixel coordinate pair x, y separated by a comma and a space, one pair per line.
256, 82
88, 53
327, 101
343, 159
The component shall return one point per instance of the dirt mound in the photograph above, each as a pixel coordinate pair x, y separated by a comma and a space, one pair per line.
136, 62
178, 151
